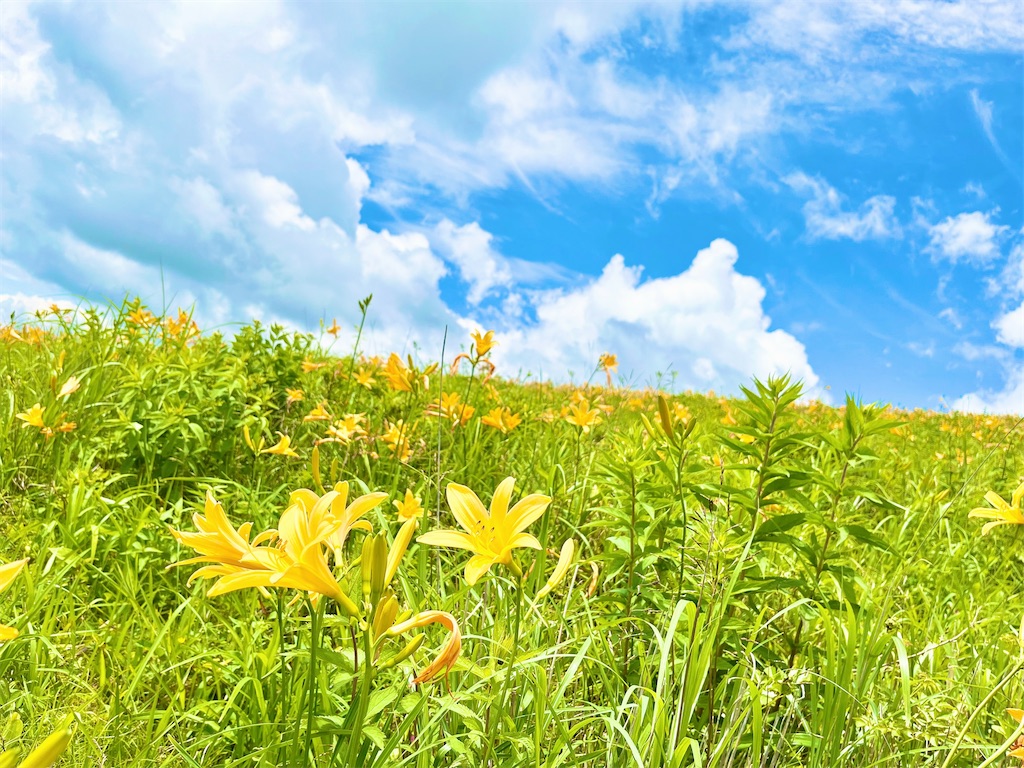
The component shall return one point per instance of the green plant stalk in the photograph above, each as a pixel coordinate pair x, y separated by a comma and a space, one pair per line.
283, 690
627, 640
364, 307
493, 725
356, 736
316, 627
465, 403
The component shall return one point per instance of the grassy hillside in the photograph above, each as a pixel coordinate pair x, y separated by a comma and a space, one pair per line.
752, 581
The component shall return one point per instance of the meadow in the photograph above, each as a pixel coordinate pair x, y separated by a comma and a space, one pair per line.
270, 551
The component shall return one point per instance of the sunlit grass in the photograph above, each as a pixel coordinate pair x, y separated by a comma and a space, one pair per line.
678, 579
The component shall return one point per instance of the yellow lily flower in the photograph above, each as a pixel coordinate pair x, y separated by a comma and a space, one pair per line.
449, 408
70, 386
182, 325
449, 654
583, 416
217, 541
334, 329
345, 429
410, 508
297, 561
8, 573
318, 414
1004, 512
491, 537
342, 519
608, 362
399, 377
141, 317
293, 396
33, 417
1018, 748
396, 437
282, 448
364, 378
483, 342
502, 419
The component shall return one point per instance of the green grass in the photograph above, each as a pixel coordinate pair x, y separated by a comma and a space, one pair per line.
767, 583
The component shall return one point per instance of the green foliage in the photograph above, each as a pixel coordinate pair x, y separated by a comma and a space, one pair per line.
760, 581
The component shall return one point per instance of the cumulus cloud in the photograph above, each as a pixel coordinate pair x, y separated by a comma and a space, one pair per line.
1009, 337
1010, 327
706, 324
469, 248
1010, 399
825, 218
967, 237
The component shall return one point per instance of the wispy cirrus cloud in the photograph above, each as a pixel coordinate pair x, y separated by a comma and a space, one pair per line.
826, 218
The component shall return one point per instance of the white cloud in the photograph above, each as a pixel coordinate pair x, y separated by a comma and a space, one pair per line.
975, 189
276, 202
21, 305
1010, 327
820, 32
54, 101
706, 323
952, 317
826, 219
969, 237
1010, 399
106, 271
972, 352
204, 204
1012, 280
983, 109
469, 248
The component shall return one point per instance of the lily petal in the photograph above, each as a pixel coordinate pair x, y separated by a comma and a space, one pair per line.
500, 500
364, 504
477, 566
398, 548
455, 539
9, 572
467, 507
243, 579
526, 511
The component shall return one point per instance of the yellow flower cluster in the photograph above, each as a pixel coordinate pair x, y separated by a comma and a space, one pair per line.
299, 553
35, 416
450, 409
502, 419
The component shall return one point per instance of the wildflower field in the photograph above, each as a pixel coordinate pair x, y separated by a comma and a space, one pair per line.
252, 552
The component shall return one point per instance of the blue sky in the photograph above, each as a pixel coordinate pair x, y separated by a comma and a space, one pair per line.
712, 191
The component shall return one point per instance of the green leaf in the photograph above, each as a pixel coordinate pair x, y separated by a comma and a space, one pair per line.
779, 524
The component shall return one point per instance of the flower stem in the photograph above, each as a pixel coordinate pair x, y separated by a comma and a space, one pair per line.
510, 667
316, 617
364, 700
